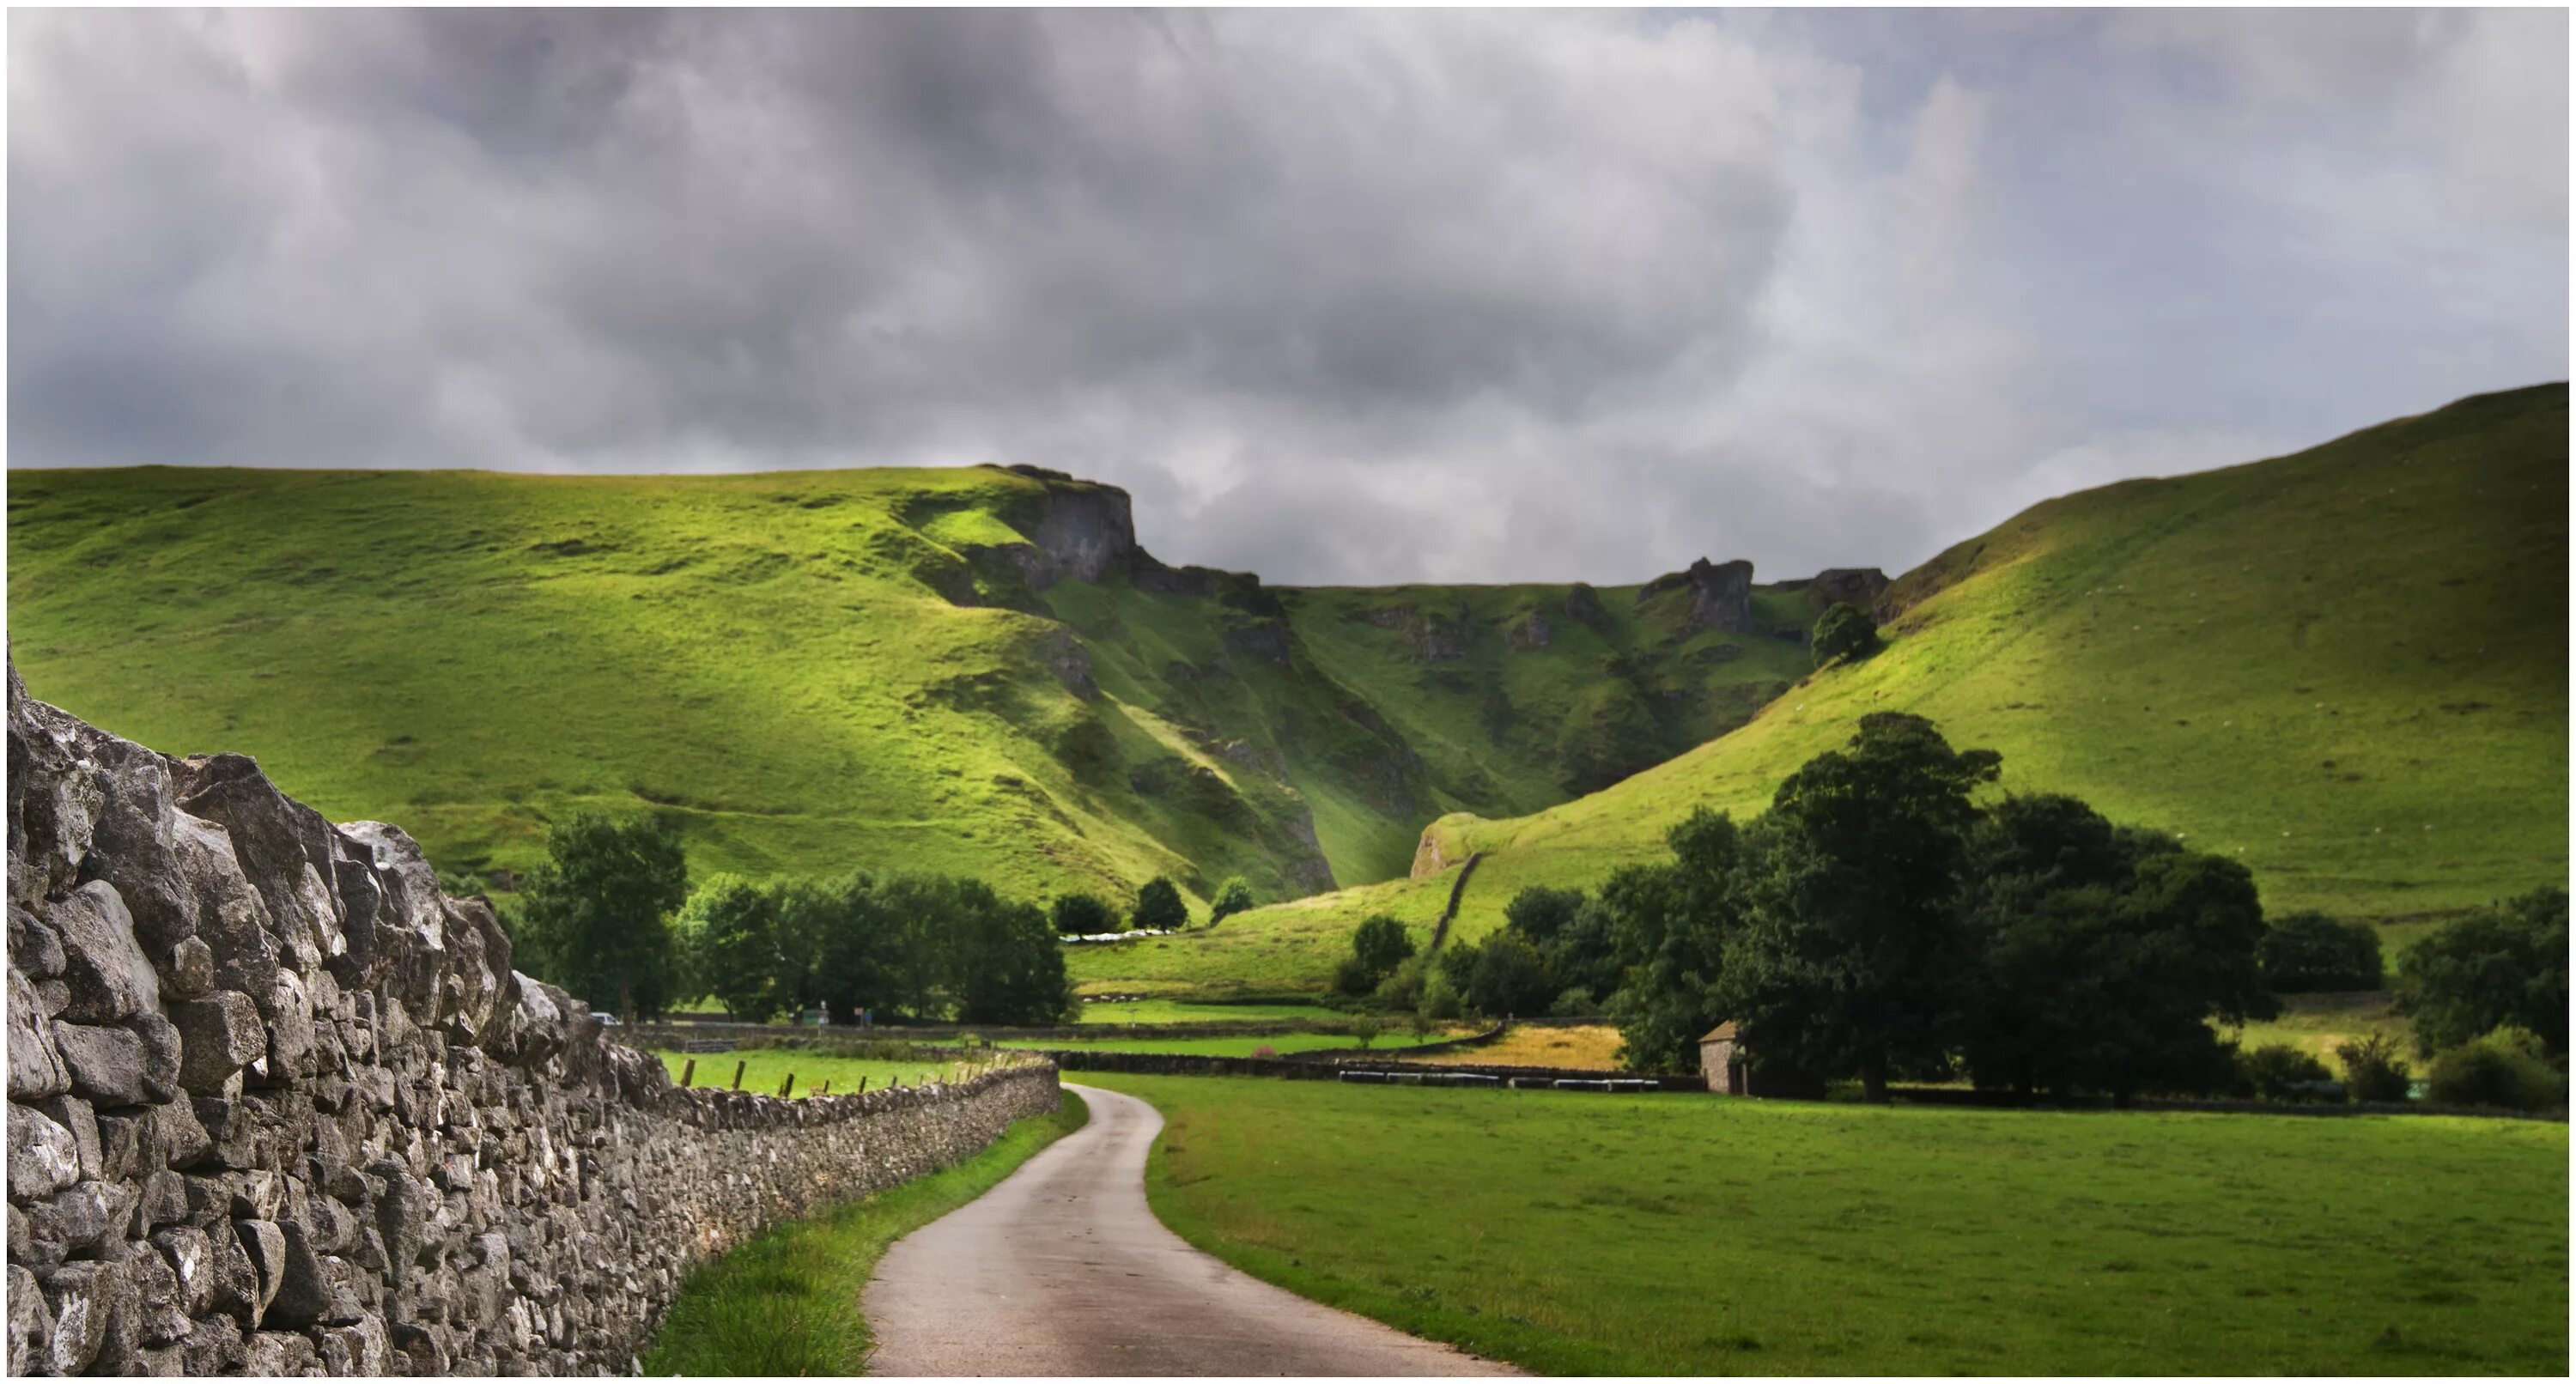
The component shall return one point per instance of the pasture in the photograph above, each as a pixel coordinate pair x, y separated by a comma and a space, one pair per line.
1576, 1233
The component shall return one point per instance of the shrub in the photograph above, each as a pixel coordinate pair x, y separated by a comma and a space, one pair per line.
1575, 1003
2303, 953
1082, 915
1159, 907
1402, 988
1234, 896
1380, 944
1351, 977
2276, 1070
1366, 1032
2504, 1069
2372, 1070
1440, 998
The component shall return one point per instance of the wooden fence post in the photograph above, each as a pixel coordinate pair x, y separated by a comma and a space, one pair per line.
737, 1072
688, 1072
788, 1087
863, 1086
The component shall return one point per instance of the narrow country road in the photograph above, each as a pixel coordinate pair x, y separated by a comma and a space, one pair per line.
1062, 1270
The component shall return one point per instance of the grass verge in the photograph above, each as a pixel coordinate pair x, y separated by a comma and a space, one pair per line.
1586, 1234
787, 1303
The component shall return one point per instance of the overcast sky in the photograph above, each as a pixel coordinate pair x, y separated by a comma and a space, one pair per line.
1348, 298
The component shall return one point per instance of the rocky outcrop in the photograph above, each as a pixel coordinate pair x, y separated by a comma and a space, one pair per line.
1429, 636
1721, 594
1530, 632
279, 1106
1858, 586
1583, 606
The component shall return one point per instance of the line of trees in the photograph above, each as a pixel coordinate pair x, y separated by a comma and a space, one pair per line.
610, 917
1878, 923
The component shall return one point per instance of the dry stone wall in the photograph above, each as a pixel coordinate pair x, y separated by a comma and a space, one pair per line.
278, 1106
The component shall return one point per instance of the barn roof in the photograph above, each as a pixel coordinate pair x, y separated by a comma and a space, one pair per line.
1721, 1033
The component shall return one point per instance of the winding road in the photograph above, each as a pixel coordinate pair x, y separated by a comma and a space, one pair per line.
1062, 1270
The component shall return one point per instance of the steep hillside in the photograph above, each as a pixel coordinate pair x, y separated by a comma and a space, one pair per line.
2347, 667
970, 669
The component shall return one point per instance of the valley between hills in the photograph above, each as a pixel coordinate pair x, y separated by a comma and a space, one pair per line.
2346, 667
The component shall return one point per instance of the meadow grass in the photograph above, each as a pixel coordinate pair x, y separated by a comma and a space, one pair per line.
2346, 668
2316, 1024
1581, 1234
1177, 1012
1589, 1047
764, 1069
787, 1303
1241, 1045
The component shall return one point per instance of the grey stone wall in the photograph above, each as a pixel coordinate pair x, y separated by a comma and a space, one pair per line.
278, 1106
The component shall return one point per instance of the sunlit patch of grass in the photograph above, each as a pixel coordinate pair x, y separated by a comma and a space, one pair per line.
1691, 1235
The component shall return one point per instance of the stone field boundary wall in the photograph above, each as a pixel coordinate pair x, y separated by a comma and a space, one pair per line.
278, 1106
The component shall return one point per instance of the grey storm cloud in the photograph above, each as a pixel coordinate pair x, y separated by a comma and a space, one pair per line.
1340, 297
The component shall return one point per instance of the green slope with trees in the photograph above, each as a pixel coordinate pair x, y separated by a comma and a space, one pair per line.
2346, 668
973, 671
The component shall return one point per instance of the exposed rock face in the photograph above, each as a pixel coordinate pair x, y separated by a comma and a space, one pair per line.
1430, 636
278, 1106
1070, 662
1859, 586
1583, 607
1531, 631
1077, 529
1721, 594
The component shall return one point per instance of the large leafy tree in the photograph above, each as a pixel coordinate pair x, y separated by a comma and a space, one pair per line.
1668, 925
1510, 977
598, 911
1005, 966
2101, 954
2306, 952
1159, 907
1232, 897
1083, 915
730, 926
1852, 936
2506, 965
1844, 632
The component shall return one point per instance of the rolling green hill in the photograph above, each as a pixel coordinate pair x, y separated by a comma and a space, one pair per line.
974, 669
2346, 667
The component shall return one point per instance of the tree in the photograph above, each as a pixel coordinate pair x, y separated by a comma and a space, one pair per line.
1083, 915
2505, 965
1540, 913
731, 926
1159, 907
2372, 1070
839, 941
2309, 952
1668, 925
598, 911
1004, 964
1509, 978
1232, 897
1378, 945
1366, 1031
1852, 936
1844, 632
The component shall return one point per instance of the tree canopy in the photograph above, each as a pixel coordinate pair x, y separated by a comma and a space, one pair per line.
1844, 631
2503, 966
1159, 907
596, 913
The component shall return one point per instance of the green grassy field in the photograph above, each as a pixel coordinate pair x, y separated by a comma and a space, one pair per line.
1280, 1044
1171, 1012
1681, 1235
818, 671
2346, 667
765, 1069
787, 1303
2317, 1023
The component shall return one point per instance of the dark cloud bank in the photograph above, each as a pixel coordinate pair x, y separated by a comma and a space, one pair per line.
1340, 297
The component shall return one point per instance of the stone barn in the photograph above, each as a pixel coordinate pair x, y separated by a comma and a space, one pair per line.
1732, 1072
1720, 1062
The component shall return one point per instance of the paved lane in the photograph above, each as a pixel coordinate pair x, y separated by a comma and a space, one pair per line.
1062, 1270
